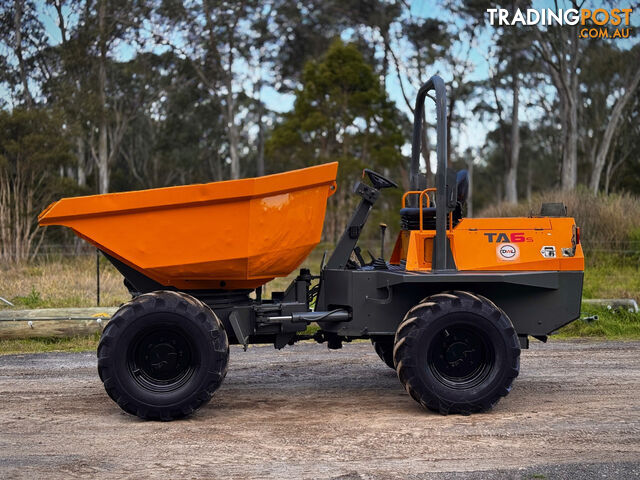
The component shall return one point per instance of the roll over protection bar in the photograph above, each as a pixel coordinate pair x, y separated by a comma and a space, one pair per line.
440, 242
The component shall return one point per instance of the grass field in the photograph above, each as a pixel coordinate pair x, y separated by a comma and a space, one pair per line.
62, 283
71, 282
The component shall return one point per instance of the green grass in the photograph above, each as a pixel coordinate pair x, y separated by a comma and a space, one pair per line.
611, 324
608, 276
611, 276
41, 345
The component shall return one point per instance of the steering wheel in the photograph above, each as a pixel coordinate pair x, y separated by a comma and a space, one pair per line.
378, 181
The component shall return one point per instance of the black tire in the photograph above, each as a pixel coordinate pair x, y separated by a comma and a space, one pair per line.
457, 352
163, 355
384, 348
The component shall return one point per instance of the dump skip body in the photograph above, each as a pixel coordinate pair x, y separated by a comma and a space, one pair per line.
221, 235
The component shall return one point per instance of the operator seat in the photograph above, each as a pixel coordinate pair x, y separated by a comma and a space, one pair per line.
410, 216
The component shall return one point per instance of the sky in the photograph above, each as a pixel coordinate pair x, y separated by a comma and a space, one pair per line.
473, 133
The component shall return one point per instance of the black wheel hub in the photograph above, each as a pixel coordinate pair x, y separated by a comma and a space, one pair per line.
460, 356
162, 359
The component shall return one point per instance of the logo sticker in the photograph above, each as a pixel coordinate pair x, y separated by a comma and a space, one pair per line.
507, 251
548, 251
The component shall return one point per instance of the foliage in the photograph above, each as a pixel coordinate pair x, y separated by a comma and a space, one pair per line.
31, 300
606, 222
150, 93
33, 146
341, 113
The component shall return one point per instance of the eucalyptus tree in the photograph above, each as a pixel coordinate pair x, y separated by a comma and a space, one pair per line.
610, 80
214, 36
33, 146
22, 39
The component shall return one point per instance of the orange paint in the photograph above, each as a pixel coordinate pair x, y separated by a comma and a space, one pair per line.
497, 244
233, 234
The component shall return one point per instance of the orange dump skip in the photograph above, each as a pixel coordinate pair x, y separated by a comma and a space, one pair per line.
233, 234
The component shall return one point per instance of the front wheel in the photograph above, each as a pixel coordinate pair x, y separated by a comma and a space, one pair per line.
163, 355
457, 352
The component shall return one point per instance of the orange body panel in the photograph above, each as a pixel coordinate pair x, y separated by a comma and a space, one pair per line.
233, 234
500, 244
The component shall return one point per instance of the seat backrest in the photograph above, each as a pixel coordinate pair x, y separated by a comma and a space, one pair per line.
462, 180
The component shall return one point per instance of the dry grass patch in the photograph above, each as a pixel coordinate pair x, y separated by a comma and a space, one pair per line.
65, 282
606, 222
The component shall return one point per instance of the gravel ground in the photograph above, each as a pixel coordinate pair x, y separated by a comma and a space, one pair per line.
307, 412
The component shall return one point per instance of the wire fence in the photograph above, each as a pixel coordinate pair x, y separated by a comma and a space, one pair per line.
51, 251
623, 254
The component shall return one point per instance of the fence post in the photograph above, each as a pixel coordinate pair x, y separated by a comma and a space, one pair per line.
97, 277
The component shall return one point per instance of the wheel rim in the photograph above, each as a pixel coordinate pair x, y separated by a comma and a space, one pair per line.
162, 359
461, 356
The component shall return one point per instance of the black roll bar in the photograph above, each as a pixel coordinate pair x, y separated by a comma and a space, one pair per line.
434, 83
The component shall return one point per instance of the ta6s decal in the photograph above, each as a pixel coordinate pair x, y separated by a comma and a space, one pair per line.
499, 237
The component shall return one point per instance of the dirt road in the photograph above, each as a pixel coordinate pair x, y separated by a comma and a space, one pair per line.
306, 412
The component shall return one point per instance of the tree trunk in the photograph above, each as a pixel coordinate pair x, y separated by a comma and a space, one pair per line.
233, 130
607, 177
103, 153
61, 23
562, 56
452, 103
511, 177
470, 193
17, 20
614, 121
570, 151
81, 170
529, 180
425, 150
260, 114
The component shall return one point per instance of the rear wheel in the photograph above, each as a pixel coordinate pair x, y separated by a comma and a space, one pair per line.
384, 348
457, 352
163, 355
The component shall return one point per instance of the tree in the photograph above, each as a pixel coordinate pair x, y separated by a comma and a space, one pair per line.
630, 81
177, 135
216, 41
32, 148
23, 38
509, 64
561, 53
623, 161
428, 39
341, 113
111, 23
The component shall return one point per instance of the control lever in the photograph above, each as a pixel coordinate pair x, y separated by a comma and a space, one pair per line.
383, 228
358, 253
